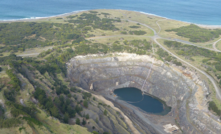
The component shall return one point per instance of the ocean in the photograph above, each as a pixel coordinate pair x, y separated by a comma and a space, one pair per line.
207, 12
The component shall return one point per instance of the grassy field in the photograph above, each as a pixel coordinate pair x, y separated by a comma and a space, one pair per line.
139, 17
55, 126
123, 26
114, 14
166, 24
33, 52
218, 45
112, 39
150, 20
197, 59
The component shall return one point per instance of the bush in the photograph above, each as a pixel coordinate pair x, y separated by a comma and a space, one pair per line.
83, 122
78, 122
123, 32
66, 117
134, 26
7, 123
162, 53
14, 80
32, 121
93, 11
214, 108
85, 103
87, 116
73, 36
105, 112
9, 95
177, 63
95, 132
196, 34
140, 32
218, 67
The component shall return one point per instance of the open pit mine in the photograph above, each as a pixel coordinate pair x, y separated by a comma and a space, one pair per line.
180, 89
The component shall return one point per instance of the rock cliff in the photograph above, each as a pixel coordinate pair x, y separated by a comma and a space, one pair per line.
181, 89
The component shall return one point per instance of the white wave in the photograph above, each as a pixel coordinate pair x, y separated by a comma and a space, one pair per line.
202, 25
77, 11
35, 18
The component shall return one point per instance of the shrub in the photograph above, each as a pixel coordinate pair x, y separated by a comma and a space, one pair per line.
78, 122
214, 108
105, 112
140, 32
134, 26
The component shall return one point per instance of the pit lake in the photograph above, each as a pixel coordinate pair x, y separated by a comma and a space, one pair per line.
145, 102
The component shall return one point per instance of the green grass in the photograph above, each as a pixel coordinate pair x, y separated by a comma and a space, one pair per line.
29, 52
218, 45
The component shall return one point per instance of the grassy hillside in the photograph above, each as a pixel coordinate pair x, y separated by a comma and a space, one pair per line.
36, 96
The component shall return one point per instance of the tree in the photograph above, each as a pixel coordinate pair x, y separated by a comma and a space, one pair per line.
87, 116
69, 95
85, 103
105, 112
214, 108
95, 132
49, 104
83, 122
66, 117
0, 69
57, 101
78, 121
54, 111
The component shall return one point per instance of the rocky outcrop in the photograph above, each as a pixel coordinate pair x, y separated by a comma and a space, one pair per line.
180, 89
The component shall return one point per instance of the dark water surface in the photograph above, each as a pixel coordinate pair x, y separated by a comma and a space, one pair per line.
195, 11
145, 102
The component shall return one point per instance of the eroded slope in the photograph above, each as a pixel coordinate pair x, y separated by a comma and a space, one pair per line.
179, 88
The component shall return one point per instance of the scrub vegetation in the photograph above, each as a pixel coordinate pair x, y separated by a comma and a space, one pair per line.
35, 92
210, 62
44, 78
196, 33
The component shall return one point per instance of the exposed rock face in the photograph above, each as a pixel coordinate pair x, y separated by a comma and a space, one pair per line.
180, 89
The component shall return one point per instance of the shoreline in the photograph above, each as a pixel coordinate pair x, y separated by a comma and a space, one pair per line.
78, 11
39, 18
200, 25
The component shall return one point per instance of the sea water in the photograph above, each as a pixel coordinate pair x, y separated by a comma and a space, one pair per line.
194, 11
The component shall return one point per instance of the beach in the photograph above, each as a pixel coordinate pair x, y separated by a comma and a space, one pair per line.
76, 12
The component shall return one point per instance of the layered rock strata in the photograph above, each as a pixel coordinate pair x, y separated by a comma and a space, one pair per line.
181, 89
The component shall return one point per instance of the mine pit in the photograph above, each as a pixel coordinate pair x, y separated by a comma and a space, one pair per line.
173, 92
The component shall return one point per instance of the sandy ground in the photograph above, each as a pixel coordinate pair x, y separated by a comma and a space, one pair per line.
199, 97
209, 26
